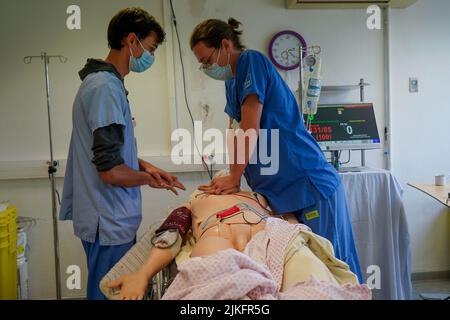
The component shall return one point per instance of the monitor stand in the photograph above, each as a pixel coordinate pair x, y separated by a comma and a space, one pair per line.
335, 162
350, 169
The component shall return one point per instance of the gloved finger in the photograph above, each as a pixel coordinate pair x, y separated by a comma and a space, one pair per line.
167, 177
179, 185
172, 189
158, 178
232, 190
210, 190
152, 182
208, 187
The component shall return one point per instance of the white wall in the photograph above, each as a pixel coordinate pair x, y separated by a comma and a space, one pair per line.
35, 26
350, 52
421, 128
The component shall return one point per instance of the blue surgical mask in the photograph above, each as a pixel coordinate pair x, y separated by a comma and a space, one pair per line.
143, 63
217, 72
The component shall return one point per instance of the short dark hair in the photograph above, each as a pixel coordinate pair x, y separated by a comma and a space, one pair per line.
131, 20
213, 31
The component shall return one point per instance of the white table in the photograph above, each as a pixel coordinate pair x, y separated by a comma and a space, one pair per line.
381, 231
441, 194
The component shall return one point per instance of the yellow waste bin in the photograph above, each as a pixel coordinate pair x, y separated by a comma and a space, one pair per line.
8, 253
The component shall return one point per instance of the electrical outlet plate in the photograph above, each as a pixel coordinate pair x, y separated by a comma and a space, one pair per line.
413, 85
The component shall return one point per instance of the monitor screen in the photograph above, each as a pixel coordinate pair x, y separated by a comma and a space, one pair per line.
346, 127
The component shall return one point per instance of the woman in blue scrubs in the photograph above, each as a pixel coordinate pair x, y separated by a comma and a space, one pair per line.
304, 184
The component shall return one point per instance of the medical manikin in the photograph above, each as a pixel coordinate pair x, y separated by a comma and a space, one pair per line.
219, 222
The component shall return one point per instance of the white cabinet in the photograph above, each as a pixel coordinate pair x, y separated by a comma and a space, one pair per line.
346, 4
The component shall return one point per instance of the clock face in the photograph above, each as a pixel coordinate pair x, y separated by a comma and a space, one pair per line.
284, 49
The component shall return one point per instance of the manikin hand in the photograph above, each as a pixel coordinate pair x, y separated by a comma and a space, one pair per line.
132, 286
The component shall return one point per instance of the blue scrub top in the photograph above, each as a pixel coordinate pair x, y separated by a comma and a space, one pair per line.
303, 170
92, 204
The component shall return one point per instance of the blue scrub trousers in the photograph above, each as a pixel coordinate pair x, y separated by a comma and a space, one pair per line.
100, 259
330, 218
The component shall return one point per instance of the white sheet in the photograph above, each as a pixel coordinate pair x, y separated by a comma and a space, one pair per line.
381, 231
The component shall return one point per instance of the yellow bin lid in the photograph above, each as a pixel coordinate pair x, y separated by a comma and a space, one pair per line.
8, 228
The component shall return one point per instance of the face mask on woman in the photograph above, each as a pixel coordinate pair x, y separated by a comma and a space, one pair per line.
143, 63
217, 72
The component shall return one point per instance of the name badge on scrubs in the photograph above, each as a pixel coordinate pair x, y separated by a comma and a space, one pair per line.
312, 215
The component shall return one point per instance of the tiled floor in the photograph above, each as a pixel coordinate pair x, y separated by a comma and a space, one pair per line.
440, 286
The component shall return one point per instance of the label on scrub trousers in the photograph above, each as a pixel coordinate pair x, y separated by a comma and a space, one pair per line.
312, 215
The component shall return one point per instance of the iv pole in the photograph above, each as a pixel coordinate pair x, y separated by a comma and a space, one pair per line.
52, 168
300, 82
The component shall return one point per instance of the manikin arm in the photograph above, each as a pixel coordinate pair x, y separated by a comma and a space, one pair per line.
134, 286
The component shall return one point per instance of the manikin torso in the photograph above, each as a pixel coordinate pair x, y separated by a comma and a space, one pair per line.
213, 234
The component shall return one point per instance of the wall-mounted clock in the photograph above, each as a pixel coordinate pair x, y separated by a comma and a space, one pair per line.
284, 49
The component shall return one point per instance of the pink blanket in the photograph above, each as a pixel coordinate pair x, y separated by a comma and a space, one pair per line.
257, 273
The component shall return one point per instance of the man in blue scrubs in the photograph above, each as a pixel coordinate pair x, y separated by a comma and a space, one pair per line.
103, 176
257, 98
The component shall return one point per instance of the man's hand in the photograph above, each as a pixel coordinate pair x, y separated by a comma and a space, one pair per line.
162, 179
223, 185
132, 286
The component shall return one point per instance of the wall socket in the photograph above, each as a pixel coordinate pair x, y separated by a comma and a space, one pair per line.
413, 85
